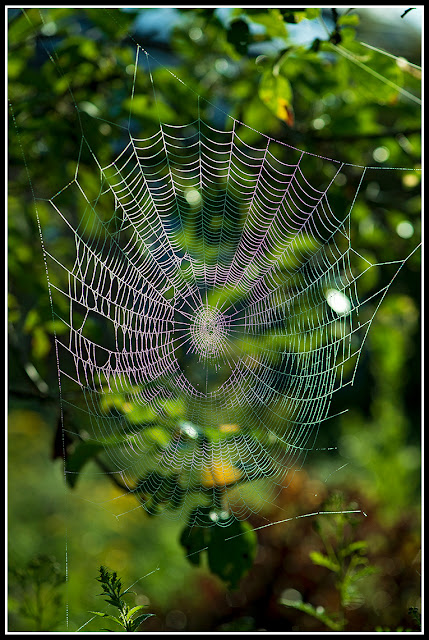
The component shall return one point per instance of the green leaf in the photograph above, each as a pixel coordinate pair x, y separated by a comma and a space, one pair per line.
155, 489
349, 19
231, 559
83, 452
315, 613
40, 343
193, 539
158, 436
362, 573
323, 561
272, 19
115, 603
313, 13
140, 619
276, 93
359, 545
107, 616
175, 408
231, 549
134, 610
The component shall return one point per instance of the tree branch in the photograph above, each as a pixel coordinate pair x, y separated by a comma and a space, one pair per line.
407, 11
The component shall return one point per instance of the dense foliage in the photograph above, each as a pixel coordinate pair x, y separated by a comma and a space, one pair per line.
304, 77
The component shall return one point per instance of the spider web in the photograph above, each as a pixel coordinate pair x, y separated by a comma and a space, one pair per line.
213, 312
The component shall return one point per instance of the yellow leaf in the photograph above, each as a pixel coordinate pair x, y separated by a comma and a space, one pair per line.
285, 111
219, 474
229, 428
276, 92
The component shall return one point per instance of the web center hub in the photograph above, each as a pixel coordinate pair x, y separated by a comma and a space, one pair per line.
208, 332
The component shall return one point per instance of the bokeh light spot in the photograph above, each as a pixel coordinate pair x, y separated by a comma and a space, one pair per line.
405, 229
381, 154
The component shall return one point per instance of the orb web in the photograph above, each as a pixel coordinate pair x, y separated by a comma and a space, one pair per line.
212, 299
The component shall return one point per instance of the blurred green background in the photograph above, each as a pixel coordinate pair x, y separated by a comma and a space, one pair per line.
360, 113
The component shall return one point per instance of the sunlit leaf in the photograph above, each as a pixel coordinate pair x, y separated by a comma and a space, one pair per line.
276, 93
323, 561
272, 20
317, 613
219, 474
